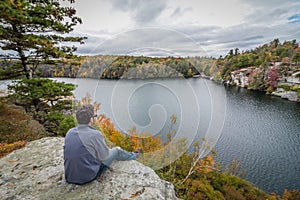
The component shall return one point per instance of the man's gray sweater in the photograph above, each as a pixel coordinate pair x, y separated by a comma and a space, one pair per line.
84, 150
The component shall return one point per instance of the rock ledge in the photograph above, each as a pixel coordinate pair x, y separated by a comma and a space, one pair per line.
37, 172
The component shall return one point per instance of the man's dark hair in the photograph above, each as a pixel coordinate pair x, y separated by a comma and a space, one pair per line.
84, 114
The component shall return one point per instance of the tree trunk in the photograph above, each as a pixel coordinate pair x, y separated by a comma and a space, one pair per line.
26, 68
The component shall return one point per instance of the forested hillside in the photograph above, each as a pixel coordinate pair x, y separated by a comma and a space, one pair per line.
266, 64
264, 68
116, 67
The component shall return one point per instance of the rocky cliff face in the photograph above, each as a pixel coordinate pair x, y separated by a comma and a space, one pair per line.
37, 172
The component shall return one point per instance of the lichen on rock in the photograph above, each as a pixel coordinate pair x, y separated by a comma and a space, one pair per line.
37, 172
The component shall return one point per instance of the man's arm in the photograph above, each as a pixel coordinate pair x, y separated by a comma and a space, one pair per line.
100, 147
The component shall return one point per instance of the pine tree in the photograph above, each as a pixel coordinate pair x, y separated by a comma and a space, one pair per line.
36, 31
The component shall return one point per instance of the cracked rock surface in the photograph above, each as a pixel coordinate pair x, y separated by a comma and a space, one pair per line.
37, 172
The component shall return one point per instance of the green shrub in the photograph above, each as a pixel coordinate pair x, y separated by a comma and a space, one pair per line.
66, 123
270, 90
44, 99
199, 189
295, 88
285, 87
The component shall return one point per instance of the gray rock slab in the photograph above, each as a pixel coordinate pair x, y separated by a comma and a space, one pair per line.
37, 172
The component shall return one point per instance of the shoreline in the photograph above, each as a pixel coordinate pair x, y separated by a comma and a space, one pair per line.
279, 92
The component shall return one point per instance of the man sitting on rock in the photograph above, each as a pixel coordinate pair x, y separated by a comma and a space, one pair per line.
86, 155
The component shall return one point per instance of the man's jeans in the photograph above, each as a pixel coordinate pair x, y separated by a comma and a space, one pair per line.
118, 154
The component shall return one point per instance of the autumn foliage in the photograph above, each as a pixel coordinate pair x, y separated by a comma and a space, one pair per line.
287, 195
129, 141
7, 148
16, 128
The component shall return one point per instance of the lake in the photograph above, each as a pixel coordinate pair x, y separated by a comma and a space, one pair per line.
261, 131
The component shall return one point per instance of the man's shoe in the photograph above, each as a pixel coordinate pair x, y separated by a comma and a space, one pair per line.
138, 152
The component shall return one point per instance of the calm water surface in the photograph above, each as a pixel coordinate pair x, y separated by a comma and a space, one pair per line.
263, 132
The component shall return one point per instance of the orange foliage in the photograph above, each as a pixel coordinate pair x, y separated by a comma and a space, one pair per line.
88, 100
206, 164
7, 148
130, 141
287, 195
147, 142
114, 136
16, 125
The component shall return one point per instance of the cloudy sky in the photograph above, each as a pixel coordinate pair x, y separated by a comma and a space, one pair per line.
184, 27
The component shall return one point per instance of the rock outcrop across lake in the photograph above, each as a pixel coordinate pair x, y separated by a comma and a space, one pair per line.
37, 172
290, 95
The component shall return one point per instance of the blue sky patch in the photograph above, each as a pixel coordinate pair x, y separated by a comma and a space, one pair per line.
294, 19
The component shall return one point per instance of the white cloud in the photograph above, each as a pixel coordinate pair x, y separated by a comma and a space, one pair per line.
215, 25
99, 15
142, 12
146, 41
273, 15
213, 12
